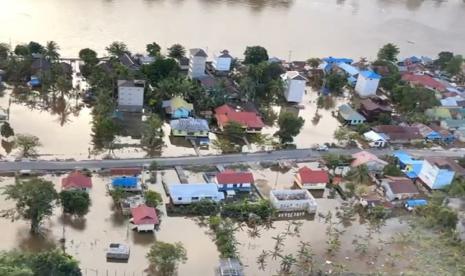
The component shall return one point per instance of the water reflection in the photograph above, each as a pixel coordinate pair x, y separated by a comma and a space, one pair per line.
76, 223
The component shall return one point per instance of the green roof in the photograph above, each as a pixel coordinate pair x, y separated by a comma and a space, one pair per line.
349, 114
438, 113
178, 102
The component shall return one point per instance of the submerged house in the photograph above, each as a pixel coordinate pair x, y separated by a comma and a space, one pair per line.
372, 110
197, 63
126, 183
349, 115
399, 188
434, 133
234, 181
411, 166
294, 86
76, 181
190, 127
222, 61
293, 201
250, 121
375, 139
144, 218
367, 83
307, 178
131, 95
399, 134
189, 193
439, 172
177, 108
373, 163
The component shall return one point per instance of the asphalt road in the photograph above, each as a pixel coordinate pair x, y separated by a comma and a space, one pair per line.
294, 155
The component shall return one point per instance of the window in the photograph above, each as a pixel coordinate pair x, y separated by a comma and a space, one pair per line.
208, 197
179, 198
195, 198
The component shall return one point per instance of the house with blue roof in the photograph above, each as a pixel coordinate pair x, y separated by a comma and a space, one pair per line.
126, 183
367, 83
409, 165
190, 193
330, 62
351, 71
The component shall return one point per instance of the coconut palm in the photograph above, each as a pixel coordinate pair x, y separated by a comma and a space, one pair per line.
359, 175
51, 51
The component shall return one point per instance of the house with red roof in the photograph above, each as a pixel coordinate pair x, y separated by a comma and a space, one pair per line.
234, 181
311, 179
250, 121
144, 218
425, 81
76, 181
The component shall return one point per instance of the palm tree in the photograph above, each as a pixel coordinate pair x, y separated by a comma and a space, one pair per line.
51, 51
359, 175
117, 49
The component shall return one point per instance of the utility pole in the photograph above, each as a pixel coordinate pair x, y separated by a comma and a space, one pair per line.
290, 55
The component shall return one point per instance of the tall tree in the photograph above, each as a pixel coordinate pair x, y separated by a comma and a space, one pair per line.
89, 56
75, 202
4, 51
176, 51
388, 52
165, 257
153, 49
117, 48
34, 198
35, 48
335, 82
454, 66
161, 69
152, 135
234, 132
6, 130
51, 51
443, 59
289, 126
255, 55
27, 144
359, 175
313, 62
153, 199
22, 50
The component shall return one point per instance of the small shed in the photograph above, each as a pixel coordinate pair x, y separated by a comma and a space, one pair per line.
76, 181
127, 183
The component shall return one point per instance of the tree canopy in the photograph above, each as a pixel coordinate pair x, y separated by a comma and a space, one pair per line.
75, 202
388, 52
153, 49
289, 126
45, 263
161, 69
6, 130
34, 198
335, 82
27, 144
89, 56
255, 55
165, 257
413, 99
117, 48
176, 51
153, 199
152, 135
454, 66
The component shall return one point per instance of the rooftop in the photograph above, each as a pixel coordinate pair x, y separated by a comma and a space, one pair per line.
396, 132
124, 181
370, 105
370, 74
401, 185
77, 180
190, 125
197, 52
226, 113
189, 190
424, 80
232, 177
364, 157
349, 114
143, 214
309, 176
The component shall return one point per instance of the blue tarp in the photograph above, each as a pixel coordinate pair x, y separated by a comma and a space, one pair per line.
349, 69
126, 181
337, 60
370, 74
416, 202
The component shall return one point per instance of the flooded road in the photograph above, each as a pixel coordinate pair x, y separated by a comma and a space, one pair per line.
300, 28
87, 239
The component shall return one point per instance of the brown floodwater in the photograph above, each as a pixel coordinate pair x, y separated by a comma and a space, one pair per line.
302, 28
88, 239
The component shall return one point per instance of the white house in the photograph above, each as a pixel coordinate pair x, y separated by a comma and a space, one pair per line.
131, 95
144, 218
367, 83
189, 193
375, 140
294, 86
293, 201
222, 62
197, 61
437, 172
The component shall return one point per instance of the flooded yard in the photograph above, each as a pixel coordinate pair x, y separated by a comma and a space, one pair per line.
88, 238
64, 128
